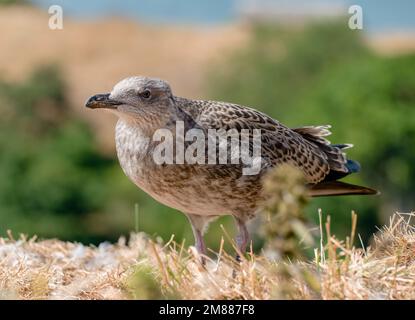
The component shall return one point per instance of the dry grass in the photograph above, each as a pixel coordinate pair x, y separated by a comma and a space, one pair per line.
141, 268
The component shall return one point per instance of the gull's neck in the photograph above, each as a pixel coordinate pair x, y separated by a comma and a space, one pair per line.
148, 124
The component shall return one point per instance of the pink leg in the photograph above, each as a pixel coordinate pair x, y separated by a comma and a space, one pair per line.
242, 238
199, 242
198, 225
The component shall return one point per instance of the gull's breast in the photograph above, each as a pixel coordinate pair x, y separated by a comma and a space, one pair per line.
197, 189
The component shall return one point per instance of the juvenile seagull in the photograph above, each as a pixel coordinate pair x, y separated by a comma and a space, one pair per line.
205, 191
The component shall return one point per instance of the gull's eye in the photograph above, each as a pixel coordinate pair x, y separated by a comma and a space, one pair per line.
146, 94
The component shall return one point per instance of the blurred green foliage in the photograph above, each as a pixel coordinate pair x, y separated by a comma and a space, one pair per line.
9, 2
142, 284
50, 171
325, 74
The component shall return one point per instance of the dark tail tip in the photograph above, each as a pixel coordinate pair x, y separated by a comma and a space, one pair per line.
353, 166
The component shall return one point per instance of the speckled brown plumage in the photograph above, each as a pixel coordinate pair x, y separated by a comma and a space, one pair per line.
205, 191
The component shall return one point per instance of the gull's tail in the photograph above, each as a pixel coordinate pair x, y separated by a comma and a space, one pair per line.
340, 166
338, 188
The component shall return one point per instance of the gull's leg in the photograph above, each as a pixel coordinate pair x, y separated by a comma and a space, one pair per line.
242, 238
198, 224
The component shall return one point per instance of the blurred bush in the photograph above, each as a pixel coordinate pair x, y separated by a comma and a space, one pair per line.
9, 2
325, 74
50, 171
283, 227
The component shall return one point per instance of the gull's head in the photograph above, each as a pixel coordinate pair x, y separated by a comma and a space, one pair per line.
138, 98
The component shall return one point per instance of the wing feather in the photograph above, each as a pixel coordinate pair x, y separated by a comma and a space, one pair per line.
302, 147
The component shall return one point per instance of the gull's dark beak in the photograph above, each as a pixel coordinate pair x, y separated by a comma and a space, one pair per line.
102, 101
